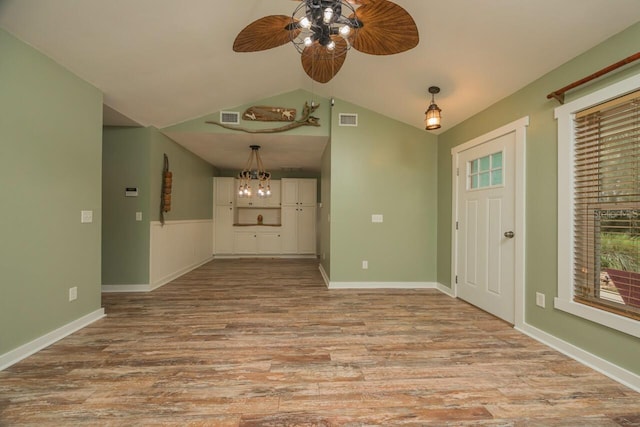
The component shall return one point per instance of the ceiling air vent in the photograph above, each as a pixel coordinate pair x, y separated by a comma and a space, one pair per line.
230, 117
348, 119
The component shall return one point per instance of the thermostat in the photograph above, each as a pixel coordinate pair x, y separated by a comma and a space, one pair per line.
131, 192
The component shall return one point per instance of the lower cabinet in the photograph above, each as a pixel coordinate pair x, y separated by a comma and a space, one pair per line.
269, 243
298, 230
257, 242
224, 230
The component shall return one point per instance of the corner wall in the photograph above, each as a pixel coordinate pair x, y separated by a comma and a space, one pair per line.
50, 170
541, 194
141, 255
386, 167
125, 242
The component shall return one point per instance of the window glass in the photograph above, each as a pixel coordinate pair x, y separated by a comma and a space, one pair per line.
485, 172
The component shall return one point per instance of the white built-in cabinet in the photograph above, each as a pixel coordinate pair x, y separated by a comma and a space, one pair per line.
293, 202
299, 197
224, 194
257, 242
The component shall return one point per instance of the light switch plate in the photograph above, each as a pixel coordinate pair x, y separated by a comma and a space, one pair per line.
138, 216
376, 218
86, 216
540, 299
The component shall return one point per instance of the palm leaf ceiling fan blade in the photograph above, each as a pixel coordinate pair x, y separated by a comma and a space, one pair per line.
358, 2
387, 28
321, 65
264, 33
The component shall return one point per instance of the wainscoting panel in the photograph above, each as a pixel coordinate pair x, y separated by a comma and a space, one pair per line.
178, 247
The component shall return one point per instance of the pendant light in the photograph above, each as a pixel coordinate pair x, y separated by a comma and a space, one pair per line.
432, 115
248, 173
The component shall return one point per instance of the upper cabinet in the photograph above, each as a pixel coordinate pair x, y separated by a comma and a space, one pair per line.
258, 202
224, 191
299, 191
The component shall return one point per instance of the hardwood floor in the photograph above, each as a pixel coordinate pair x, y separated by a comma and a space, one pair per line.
264, 343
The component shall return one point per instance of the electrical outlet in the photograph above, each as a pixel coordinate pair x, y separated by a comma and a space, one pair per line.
376, 218
540, 299
365, 265
138, 216
73, 293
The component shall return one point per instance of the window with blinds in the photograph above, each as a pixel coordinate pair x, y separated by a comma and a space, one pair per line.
607, 206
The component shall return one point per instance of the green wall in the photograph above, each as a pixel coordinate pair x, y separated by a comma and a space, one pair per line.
192, 190
382, 166
324, 226
134, 157
541, 193
50, 170
125, 242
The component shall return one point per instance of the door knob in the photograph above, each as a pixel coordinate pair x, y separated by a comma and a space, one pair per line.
509, 234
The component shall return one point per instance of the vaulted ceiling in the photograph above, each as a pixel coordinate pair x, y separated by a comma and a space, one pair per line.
161, 62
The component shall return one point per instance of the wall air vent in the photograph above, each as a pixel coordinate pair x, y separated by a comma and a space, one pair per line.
230, 117
348, 119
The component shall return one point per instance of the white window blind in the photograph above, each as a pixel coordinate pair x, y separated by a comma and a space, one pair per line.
607, 206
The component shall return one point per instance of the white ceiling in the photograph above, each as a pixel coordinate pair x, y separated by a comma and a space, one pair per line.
161, 62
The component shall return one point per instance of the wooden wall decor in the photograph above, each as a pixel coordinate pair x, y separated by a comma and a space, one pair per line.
306, 120
165, 197
270, 114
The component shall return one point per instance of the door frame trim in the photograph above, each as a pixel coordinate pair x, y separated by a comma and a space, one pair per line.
519, 127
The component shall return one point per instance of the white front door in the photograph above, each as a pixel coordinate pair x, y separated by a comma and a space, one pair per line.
486, 226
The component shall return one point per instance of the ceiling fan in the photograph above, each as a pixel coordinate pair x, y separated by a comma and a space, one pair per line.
324, 30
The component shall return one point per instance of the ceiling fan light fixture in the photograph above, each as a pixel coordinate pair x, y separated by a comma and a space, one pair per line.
305, 23
318, 21
432, 117
327, 16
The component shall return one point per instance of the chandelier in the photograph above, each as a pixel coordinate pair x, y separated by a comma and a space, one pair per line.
249, 173
331, 23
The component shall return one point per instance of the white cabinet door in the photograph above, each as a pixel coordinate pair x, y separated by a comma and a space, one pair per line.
306, 228
224, 188
289, 230
289, 191
224, 230
269, 243
274, 200
298, 191
245, 242
307, 192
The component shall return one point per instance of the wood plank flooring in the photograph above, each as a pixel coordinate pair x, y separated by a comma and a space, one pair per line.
264, 343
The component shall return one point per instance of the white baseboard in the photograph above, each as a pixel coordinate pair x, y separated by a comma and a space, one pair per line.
446, 290
126, 288
281, 256
382, 285
609, 369
164, 280
146, 287
14, 356
325, 277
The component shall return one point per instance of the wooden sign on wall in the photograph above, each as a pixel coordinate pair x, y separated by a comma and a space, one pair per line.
269, 114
